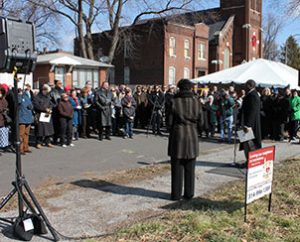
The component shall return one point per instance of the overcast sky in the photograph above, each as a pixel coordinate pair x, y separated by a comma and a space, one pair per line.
291, 25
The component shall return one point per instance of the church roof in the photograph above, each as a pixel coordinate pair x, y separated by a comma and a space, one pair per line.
211, 17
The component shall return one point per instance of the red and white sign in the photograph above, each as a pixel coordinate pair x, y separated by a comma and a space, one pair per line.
260, 173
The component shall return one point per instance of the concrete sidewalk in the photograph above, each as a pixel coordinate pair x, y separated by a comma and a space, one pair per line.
92, 206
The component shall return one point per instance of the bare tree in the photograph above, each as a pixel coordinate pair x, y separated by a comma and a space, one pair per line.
272, 28
294, 8
81, 13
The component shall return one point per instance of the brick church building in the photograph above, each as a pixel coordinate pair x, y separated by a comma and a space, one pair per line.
188, 45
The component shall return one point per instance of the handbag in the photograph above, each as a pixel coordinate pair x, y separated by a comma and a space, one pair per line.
8, 120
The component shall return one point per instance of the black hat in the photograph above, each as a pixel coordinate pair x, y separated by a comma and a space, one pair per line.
185, 84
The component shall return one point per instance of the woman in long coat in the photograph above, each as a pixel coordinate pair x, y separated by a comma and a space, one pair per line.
185, 119
42, 104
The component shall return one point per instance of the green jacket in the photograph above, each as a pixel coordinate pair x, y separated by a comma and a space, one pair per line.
295, 107
227, 107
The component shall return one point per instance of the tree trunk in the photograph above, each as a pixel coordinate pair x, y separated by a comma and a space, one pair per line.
114, 44
89, 42
82, 43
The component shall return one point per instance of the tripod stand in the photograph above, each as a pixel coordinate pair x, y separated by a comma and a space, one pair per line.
20, 184
152, 114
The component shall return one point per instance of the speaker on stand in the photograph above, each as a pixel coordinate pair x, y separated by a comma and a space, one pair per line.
18, 55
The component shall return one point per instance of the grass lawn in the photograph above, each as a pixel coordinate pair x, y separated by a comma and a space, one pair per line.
219, 217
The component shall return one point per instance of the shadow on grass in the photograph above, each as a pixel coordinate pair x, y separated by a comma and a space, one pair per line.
144, 163
108, 187
205, 204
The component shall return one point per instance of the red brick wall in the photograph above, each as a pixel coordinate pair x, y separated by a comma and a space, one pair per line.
180, 33
242, 48
201, 36
102, 76
195, 36
42, 75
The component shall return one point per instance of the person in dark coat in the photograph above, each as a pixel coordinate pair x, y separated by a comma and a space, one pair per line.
157, 101
185, 119
84, 101
76, 104
266, 113
129, 106
103, 101
250, 116
25, 120
66, 111
42, 104
168, 101
204, 100
141, 102
212, 109
55, 98
280, 114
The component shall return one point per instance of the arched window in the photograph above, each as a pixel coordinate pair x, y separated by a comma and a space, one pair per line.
226, 58
186, 73
172, 75
187, 49
172, 46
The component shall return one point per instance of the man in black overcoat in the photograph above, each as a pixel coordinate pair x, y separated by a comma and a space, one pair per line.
250, 117
103, 102
185, 121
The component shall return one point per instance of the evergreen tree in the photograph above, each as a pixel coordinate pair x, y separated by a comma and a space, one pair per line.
290, 53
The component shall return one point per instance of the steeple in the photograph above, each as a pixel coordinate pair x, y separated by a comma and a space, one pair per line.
248, 28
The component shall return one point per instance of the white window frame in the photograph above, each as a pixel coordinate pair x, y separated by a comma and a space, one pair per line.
226, 58
186, 73
172, 46
202, 51
187, 49
172, 79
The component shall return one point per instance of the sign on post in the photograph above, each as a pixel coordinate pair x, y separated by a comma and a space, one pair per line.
259, 175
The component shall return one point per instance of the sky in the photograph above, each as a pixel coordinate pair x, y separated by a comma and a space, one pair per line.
291, 26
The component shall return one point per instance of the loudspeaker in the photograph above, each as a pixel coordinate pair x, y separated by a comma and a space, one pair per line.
17, 46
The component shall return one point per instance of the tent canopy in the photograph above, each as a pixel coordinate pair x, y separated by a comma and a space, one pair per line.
266, 74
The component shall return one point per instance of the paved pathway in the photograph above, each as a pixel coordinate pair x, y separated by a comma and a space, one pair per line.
95, 206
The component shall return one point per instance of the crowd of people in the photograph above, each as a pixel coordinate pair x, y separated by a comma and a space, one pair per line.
58, 115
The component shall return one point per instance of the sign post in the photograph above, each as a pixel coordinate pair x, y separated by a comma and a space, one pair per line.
259, 176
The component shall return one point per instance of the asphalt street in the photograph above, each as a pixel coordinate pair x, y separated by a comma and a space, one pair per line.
88, 156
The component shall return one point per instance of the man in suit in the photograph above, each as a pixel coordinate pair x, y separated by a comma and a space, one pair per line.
185, 121
250, 117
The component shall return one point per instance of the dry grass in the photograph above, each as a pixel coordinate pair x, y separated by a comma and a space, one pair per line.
218, 217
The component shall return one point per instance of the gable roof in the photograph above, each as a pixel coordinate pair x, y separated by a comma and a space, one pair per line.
210, 17
64, 58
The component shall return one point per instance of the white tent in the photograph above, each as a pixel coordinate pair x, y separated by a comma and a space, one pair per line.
264, 72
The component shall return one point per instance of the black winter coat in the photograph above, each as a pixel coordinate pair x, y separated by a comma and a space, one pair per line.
41, 103
185, 121
250, 113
